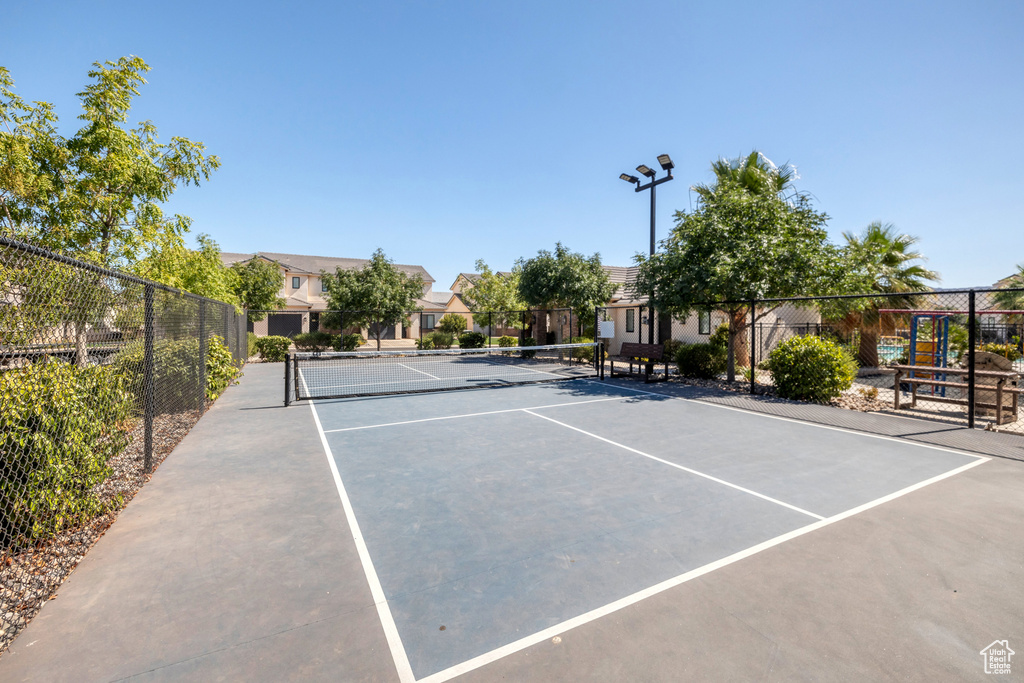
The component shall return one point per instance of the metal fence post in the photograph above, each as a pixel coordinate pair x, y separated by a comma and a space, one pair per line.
203, 351
753, 344
287, 379
149, 391
490, 330
971, 342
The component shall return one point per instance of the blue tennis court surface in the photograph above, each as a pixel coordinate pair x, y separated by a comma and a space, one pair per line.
494, 518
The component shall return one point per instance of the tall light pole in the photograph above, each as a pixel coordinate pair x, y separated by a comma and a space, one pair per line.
667, 166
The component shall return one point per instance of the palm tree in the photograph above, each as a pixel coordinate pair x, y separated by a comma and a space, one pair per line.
1012, 300
882, 260
754, 174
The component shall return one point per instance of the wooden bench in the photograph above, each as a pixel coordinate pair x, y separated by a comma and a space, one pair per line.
647, 355
1002, 386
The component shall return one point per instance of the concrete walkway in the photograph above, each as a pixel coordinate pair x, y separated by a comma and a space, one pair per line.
236, 563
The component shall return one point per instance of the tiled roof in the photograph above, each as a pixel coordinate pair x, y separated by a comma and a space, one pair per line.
622, 276
312, 265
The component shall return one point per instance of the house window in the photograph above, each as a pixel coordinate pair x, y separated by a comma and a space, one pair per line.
295, 283
704, 322
630, 320
323, 285
428, 321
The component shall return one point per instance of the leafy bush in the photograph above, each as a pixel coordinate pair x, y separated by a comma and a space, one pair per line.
528, 341
441, 340
811, 369
59, 426
507, 340
252, 345
702, 361
220, 367
177, 373
451, 324
585, 354
313, 341
671, 347
1008, 351
273, 349
472, 340
347, 342
425, 343
720, 337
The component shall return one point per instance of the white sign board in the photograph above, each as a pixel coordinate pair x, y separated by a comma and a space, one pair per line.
607, 329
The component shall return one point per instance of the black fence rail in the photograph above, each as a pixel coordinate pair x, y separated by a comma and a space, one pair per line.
101, 374
954, 356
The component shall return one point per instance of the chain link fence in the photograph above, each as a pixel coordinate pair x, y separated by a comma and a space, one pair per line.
101, 375
952, 356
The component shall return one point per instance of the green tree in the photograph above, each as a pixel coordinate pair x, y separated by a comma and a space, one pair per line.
97, 195
565, 279
257, 285
378, 294
754, 174
199, 271
495, 297
882, 261
740, 244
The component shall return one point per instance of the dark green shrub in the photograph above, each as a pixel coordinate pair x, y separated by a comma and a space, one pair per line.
347, 342
425, 343
59, 426
451, 324
528, 341
811, 369
585, 354
507, 341
220, 367
252, 345
273, 349
472, 340
702, 361
442, 340
720, 337
671, 348
177, 373
313, 341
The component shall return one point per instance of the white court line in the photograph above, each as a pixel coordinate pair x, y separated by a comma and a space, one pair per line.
804, 422
407, 367
489, 412
569, 624
679, 467
387, 621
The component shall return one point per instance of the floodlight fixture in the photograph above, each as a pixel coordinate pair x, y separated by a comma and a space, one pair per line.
630, 178
666, 162
645, 170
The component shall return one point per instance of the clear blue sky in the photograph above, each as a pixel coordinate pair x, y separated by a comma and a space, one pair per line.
444, 132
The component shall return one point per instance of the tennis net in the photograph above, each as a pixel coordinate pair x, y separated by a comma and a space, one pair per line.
373, 373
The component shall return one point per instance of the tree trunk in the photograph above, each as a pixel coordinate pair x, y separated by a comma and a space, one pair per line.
81, 351
739, 354
867, 352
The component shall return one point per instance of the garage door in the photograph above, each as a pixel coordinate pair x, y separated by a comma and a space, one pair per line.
284, 324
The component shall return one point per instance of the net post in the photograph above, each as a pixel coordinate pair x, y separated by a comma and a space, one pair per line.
753, 344
149, 393
287, 379
601, 372
971, 342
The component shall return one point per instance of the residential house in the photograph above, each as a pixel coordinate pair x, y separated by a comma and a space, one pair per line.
305, 292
